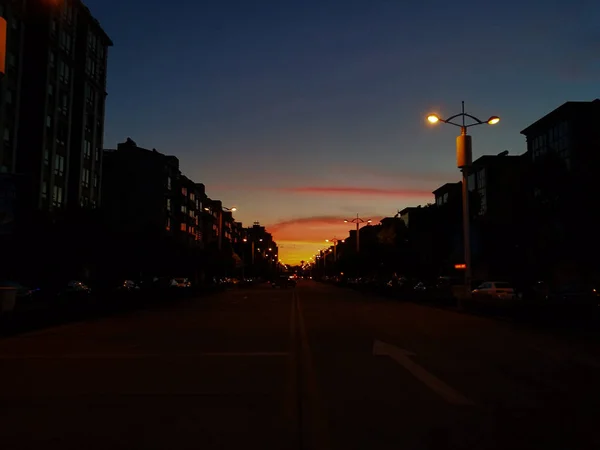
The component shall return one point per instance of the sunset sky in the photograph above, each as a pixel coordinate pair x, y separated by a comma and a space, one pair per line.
303, 113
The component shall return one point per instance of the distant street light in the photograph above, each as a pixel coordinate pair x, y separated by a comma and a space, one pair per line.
464, 156
357, 221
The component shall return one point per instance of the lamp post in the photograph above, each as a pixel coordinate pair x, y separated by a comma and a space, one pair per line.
464, 159
357, 221
335, 242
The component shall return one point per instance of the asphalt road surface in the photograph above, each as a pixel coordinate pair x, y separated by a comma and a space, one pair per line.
315, 367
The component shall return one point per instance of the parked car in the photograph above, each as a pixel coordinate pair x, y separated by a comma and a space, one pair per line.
494, 293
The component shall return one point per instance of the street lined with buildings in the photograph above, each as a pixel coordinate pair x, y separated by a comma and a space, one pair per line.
311, 367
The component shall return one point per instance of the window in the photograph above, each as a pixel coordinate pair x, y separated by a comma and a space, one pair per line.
198, 205
168, 204
59, 165
64, 103
184, 191
6, 136
52, 59
57, 196
49, 121
97, 155
191, 229
64, 72
93, 202
46, 157
192, 196
90, 66
168, 224
85, 178
184, 209
483, 197
44, 190
95, 180
481, 182
89, 123
90, 95
50, 90
471, 182
87, 149
191, 214
183, 227
169, 183
61, 135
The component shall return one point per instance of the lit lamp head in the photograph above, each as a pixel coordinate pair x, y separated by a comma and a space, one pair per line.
493, 120
433, 118
234, 209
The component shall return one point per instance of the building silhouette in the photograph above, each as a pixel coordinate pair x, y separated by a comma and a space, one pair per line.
61, 116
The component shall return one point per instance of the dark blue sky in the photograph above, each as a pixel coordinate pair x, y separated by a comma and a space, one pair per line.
258, 98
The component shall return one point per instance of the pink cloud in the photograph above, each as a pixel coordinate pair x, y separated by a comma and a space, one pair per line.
313, 229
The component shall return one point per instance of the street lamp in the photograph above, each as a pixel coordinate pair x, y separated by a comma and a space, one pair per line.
357, 221
335, 242
464, 160
223, 208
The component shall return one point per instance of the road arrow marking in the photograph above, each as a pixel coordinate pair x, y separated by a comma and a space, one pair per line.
402, 357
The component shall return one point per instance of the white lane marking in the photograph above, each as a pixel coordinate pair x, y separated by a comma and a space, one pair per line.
402, 357
142, 355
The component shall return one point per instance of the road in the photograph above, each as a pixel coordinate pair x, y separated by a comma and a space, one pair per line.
315, 367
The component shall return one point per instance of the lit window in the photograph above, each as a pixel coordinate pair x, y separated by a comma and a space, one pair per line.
95, 180
87, 149
184, 191
168, 225
57, 196
44, 190
192, 196
168, 204
85, 178
183, 227
169, 183
59, 165
184, 209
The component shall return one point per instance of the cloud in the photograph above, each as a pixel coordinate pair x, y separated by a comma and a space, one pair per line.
363, 191
310, 222
312, 229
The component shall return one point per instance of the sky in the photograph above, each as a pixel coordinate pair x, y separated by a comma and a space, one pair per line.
304, 113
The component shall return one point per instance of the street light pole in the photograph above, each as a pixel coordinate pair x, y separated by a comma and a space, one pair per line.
357, 221
464, 160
